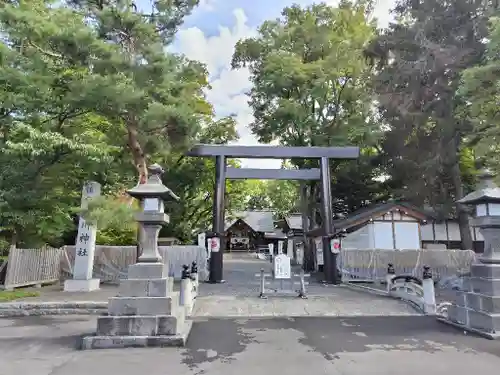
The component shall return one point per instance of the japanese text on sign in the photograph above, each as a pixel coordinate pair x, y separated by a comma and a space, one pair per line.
82, 252
89, 188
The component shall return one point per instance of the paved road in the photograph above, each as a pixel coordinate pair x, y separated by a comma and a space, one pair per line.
238, 296
292, 346
354, 336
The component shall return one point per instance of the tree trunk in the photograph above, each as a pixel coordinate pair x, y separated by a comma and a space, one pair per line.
13, 240
142, 170
463, 217
137, 153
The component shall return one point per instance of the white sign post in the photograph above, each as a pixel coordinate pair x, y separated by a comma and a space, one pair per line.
319, 251
282, 268
271, 249
85, 247
280, 247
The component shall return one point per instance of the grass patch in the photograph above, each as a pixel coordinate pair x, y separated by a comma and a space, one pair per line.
6, 296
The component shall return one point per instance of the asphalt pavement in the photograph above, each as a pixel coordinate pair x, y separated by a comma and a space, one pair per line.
336, 345
335, 331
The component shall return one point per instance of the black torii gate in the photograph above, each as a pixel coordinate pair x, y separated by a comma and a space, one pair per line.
222, 152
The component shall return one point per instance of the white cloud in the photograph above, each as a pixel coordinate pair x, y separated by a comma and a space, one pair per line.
229, 86
215, 51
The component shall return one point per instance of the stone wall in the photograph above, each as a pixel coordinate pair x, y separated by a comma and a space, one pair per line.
111, 262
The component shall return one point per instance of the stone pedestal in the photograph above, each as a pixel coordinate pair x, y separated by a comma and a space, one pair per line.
89, 285
146, 312
477, 306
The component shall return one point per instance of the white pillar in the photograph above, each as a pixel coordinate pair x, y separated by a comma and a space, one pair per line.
85, 247
388, 277
186, 295
290, 250
262, 284
429, 292
202, 240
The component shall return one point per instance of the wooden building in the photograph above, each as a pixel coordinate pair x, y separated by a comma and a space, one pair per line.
251, 231
389, 225
291, 226
382, 226
394, 226
445, 234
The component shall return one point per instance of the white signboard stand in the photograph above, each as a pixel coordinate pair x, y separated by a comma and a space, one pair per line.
282, 268
85, 247
319, 251
202, 240
281, 274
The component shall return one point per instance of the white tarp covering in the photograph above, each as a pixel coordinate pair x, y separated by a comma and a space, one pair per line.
371, 265
111, 262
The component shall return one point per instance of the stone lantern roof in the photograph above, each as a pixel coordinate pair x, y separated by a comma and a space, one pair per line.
153, 188
487, 191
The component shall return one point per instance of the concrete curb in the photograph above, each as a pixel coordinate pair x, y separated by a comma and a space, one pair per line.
489, 336
16, 309
380, 293
366, 289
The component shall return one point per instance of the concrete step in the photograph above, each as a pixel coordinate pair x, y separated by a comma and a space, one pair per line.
139, 325
120, 306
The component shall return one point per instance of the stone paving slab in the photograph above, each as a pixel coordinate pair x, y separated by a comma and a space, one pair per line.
293, 346
340, 302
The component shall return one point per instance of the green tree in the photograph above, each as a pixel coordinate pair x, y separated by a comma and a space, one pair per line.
279, 196
257, 199
308, 75
48, 144
480, 92
311, 87
88, 92
156, 96
421, 59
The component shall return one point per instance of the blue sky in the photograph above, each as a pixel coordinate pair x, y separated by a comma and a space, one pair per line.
209, 35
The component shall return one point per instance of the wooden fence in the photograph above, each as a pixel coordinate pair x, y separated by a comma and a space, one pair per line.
111, 262
32, 267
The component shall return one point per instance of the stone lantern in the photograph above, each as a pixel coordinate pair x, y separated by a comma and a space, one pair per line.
477, 304
152, 217
486, 201
146, 312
